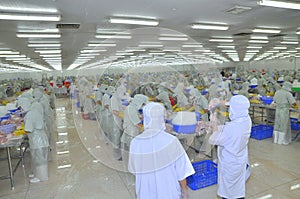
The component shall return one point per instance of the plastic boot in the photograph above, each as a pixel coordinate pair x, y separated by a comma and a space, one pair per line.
281, 138
275, 137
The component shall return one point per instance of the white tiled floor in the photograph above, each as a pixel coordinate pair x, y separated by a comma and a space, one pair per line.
82, 167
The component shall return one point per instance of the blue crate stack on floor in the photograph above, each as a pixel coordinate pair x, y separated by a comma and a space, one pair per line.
206, 174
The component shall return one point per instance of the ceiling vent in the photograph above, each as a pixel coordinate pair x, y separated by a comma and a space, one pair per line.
238, 10
68, 25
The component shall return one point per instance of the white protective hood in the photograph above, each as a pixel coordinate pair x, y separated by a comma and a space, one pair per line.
153, 149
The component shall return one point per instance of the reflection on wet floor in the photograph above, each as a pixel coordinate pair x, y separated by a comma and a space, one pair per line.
82, 166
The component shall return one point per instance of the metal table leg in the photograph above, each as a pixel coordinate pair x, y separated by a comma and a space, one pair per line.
11, 174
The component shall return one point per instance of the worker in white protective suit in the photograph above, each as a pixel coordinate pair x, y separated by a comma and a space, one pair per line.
88, 106
158, 160
182, 100
132, 125
244, 89
117, 129
107, 116
3, 96
39, 96
282, 126
132, 122
81, 87
232, 141
163, 96
212, 90
51, 94
38, 141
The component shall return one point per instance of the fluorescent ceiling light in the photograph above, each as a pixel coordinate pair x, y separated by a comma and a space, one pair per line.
52, 58
92, 51
13, 56
229, 47
192, 46
266, 30
101, 45
113, 36
291, 51
229, 51
43, 42
259, 41
210, 26
29, 17
252, 51
209, 53
48, 51
254, 47
258, 37
157, 53
18, 59
134, 21
151, 45
51, 55
202, 50
25, 35
279, 4
53, 30
9, 52
89, 54
173, 38
184, 53
28, 9
221, 40
289, 42
44, 45
273, 51
280, 47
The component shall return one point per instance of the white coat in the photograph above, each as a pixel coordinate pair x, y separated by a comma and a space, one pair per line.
232, 141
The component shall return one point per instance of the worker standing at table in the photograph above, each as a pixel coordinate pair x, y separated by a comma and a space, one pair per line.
282, 126
38, 140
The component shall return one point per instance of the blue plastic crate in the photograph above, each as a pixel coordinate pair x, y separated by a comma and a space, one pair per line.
206, 174
185, 129
6, 117
198, 116
14, 110
261, 132
294, 124
8, 128
267, 99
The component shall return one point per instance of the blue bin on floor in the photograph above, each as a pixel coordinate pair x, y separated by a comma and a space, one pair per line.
206, 174
261, 132
78, 104
294, 124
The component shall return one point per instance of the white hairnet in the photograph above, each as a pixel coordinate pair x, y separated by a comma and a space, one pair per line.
138, 100
25, 103
27, 95
287, 86
154, 117
121, 90
239, 106
37, 94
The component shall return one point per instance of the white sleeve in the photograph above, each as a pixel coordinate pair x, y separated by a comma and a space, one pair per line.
184, 167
